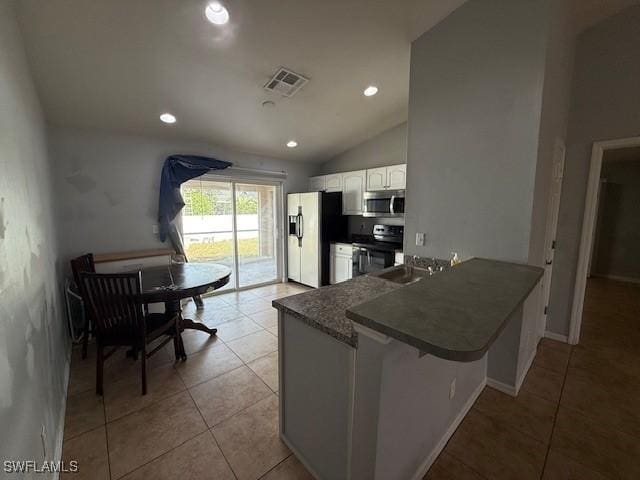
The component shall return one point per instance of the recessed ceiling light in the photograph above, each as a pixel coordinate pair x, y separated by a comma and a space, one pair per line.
168, 118
216, 13
370, 91
292, 144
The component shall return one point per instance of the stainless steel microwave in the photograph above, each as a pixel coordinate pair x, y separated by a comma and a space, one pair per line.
388, 203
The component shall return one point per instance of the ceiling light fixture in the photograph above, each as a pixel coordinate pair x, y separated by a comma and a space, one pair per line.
370, 91
168, 118
292, 144
216, 13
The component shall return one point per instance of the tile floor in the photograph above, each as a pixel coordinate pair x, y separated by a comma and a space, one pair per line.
578, 413
214, 416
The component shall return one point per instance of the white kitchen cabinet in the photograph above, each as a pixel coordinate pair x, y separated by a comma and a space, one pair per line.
376, 179
387, 178
353, 187
341, 262
317, 184
397, 177
333, 182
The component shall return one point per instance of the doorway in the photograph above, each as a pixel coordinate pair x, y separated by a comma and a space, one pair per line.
600, 149
234, 222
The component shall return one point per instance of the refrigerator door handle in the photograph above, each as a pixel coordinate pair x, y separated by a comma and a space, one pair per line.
300, 226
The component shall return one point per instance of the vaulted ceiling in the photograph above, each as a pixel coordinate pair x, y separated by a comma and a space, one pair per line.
119, 64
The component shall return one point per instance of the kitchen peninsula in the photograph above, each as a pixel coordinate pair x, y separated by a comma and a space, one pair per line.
377, 372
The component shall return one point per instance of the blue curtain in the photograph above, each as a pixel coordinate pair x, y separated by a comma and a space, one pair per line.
178, 169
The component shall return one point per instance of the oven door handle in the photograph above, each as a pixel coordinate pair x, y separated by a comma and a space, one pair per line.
391, 204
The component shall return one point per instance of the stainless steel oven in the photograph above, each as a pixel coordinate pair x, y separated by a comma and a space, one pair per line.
389, 203
376, 252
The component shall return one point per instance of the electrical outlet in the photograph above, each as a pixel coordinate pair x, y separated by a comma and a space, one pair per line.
155, 228
452, 389
43, 437
420, 239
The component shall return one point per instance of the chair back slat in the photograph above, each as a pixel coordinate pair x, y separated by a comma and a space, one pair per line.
83, 263
114, 300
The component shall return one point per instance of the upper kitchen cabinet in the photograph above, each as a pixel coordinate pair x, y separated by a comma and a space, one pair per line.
387, 178
333, 183
353, 188
317, 184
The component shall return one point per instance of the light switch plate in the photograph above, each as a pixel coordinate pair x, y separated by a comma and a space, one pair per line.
420, 239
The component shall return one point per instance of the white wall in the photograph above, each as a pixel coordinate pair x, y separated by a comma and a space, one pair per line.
107, 185
33, 335
604, 106
387, 148
487, 100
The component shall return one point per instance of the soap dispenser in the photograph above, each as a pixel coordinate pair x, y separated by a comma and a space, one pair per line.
455, 260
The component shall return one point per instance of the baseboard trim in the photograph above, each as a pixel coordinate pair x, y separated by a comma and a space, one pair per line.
502, 387
527, 366
433, 455
57, 454
556, 336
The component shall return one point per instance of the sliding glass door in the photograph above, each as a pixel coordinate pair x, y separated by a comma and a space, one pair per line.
234, 224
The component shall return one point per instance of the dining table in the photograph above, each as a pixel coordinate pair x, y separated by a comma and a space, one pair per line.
170, 284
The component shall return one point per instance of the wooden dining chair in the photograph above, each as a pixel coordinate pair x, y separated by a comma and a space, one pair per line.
116, 307
83, 263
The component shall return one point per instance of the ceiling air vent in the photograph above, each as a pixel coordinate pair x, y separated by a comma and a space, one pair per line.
285, 82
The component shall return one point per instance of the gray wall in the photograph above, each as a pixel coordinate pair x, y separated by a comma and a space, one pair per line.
474, 116
33, 341
387, 148
107, 186
604, 106
618, 249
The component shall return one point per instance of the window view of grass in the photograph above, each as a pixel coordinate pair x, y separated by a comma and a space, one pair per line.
217, 251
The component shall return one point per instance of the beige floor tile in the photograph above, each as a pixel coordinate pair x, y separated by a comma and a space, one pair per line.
197, 341
598, 448
254, 345
208, 364
290, 469
236, 328
213, 317
197, 459
254, 306
608, 402
84, 412
559, 467
544, 383
148, 433
90, 451
267, 369
235, 298
267, 291
527, 413
448, 468
250, 440
228, 394
266, 319
125, 396
495, 451
552, 356
273, 331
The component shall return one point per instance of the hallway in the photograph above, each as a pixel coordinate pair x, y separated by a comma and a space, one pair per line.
577, 414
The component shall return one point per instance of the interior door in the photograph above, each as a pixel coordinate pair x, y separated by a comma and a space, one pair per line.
293, 247
310, 252
557, 175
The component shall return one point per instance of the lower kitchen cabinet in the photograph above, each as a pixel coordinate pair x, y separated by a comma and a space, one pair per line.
341, 262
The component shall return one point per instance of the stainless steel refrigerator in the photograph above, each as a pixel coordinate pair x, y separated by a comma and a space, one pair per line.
314, 220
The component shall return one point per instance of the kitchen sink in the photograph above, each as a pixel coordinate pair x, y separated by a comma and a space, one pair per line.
404, 274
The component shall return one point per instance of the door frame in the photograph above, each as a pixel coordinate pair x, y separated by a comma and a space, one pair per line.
251, 179
588, 223
551, 232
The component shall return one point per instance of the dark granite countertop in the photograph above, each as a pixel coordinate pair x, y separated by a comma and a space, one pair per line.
455, 314
324, 308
